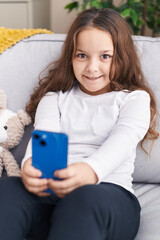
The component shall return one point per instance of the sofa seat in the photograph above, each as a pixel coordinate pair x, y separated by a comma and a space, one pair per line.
149, 198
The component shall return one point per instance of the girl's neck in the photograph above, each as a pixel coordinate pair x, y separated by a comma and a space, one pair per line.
106, 89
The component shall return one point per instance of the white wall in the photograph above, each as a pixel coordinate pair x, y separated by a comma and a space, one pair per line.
59, 17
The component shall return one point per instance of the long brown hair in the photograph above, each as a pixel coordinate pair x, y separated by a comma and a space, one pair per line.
125, 73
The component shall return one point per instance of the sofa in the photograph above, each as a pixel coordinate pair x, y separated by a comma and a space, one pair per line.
20, 67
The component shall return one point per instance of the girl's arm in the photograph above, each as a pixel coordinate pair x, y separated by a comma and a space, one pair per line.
47, 114
131, 127
47, 118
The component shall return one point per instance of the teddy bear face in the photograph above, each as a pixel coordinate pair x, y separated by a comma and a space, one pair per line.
11, 129
4, 116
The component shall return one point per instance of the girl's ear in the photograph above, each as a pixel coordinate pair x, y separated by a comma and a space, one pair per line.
3, 100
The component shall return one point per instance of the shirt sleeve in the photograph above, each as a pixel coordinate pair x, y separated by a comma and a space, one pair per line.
132, 125
47, 118
47, 114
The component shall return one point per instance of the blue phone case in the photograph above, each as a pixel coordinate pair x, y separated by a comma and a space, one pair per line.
49, 152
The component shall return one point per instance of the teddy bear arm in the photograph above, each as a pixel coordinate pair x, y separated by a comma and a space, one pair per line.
10, 164
3, 100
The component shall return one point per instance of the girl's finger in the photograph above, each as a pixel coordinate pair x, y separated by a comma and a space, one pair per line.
43, 194
62, 184
36, 182
64, 192
31, 171
37, 190
65, 173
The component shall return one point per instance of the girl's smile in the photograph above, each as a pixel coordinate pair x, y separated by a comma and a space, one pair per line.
92, 60
92, 78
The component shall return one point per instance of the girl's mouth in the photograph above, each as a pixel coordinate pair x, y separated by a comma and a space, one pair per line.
93, 78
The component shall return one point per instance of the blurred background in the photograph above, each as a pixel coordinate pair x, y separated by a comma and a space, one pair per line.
57, 15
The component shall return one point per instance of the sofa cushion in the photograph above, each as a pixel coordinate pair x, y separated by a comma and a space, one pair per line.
147, 168
149, 198
20, 67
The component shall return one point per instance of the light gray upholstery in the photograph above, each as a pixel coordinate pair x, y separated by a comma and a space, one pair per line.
149, 54
19, 69
21, 65
149, 198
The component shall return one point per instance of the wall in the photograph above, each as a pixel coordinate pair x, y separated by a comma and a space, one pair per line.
60, 18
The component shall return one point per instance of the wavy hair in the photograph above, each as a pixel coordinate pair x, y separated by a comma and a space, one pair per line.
125, 72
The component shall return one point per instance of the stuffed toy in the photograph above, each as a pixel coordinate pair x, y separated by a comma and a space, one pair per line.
12, 127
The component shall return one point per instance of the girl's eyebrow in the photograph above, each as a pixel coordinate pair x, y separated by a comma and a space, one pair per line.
79, 50
102, 51
106, 51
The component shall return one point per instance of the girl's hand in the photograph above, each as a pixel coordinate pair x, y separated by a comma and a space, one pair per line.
31, 179
74, 176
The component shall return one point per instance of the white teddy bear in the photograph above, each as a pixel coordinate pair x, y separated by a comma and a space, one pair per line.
11, 131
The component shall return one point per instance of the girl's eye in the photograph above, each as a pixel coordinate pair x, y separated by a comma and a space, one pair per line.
106, 56
81, 55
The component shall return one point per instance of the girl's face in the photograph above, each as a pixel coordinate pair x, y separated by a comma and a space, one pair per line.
92, 60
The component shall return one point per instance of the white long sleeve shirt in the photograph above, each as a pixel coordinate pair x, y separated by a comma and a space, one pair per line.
103, 130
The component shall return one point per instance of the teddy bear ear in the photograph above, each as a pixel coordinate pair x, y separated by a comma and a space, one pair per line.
3, 100
24, 117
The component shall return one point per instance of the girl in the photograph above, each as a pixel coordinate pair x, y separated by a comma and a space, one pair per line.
97, 95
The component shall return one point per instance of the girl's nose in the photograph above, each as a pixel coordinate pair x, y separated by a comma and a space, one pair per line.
92, 65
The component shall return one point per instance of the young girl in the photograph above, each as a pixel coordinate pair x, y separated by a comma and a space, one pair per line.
96, 94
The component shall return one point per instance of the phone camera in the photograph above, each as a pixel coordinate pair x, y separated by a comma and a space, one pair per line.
36, 136
43, 143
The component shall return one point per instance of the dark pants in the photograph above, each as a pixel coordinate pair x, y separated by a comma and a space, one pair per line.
93, 212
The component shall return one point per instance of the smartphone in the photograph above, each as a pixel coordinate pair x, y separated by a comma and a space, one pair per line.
49, 152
